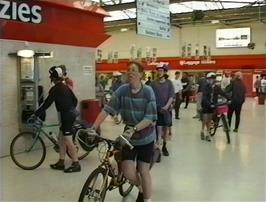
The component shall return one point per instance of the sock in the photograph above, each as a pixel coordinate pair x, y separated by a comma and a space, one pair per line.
164, 144
61, 162
75, 163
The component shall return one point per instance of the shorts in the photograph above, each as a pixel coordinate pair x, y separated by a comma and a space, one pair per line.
142, 153
67, 121
164, 119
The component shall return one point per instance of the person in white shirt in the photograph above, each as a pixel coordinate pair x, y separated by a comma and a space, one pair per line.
178, 87
263, 84
225, 81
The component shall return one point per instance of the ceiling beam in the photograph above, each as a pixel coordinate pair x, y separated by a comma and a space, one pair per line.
130, 5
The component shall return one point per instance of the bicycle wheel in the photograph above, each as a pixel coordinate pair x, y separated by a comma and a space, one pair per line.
125, 188
27, 151
95, 186
226, 128
214, 126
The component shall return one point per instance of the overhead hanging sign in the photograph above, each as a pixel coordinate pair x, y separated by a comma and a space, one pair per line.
153, 18
11, 10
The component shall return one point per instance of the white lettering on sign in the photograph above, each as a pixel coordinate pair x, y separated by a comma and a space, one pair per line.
196, 62
20, 11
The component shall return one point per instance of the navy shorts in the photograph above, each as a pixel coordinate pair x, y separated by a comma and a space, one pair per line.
67, 121
142, 153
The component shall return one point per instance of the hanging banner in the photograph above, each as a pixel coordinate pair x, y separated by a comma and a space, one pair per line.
139, 54
197, 51
110, 57
189, 50
154, 54
99, 56
115, 60
132, 52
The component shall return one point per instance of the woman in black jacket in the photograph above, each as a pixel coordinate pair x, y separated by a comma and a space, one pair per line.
238, 92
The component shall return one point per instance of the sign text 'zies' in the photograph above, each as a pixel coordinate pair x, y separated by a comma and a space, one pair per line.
19, 11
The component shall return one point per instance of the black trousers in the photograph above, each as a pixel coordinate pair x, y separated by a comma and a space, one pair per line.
186, 96
234, 107
178, 102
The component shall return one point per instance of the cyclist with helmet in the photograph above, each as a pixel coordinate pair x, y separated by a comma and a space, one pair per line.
164, 93
210, 93
65, 102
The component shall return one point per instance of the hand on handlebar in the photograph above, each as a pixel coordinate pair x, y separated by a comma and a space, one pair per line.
128, 133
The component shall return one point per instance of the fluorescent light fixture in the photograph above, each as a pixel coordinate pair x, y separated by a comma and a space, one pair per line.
124, 29
46, 55
25, 53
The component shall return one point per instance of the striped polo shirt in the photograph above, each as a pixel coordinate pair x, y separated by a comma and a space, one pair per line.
133, 109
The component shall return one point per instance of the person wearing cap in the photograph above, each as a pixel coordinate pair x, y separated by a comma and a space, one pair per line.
65, 102
210, 93
238, 94
137, 105
164, 93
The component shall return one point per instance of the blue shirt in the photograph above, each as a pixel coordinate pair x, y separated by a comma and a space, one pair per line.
134, 108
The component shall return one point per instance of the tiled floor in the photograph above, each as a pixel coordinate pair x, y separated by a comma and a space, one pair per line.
194, 171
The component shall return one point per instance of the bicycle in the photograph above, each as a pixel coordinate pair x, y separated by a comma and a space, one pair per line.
98, 182
28, 150
220, 114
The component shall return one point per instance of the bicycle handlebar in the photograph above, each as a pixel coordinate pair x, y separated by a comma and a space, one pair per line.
121, 140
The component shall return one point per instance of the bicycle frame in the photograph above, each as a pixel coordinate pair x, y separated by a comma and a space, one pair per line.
40, 131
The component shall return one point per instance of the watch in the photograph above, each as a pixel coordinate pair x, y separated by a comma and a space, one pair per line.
135, 129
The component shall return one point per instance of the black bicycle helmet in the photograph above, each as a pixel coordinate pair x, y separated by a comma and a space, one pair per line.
56, 72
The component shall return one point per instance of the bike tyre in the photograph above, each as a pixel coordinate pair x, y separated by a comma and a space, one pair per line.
13, 154
226, 128
91, 177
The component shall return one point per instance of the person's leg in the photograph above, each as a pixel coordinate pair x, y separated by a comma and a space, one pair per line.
165, 131
60, 164
187, 99
146, 181
203, 124
130, 172
62, 146
230, 114
178, 102
208, 125
238, 113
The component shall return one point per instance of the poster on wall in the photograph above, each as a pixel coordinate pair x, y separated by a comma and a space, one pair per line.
87, 70
153, 18
232, 38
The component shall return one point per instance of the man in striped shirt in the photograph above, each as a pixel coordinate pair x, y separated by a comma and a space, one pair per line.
137, 106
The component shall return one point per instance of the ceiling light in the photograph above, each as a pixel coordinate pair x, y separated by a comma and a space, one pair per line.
124, 29
25, 53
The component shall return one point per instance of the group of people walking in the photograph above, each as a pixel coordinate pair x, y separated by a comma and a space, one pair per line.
146, 111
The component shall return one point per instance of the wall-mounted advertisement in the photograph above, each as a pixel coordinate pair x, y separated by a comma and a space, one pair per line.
232, 38
153, 18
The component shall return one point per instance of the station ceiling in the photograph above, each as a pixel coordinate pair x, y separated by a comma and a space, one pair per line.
226, 12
